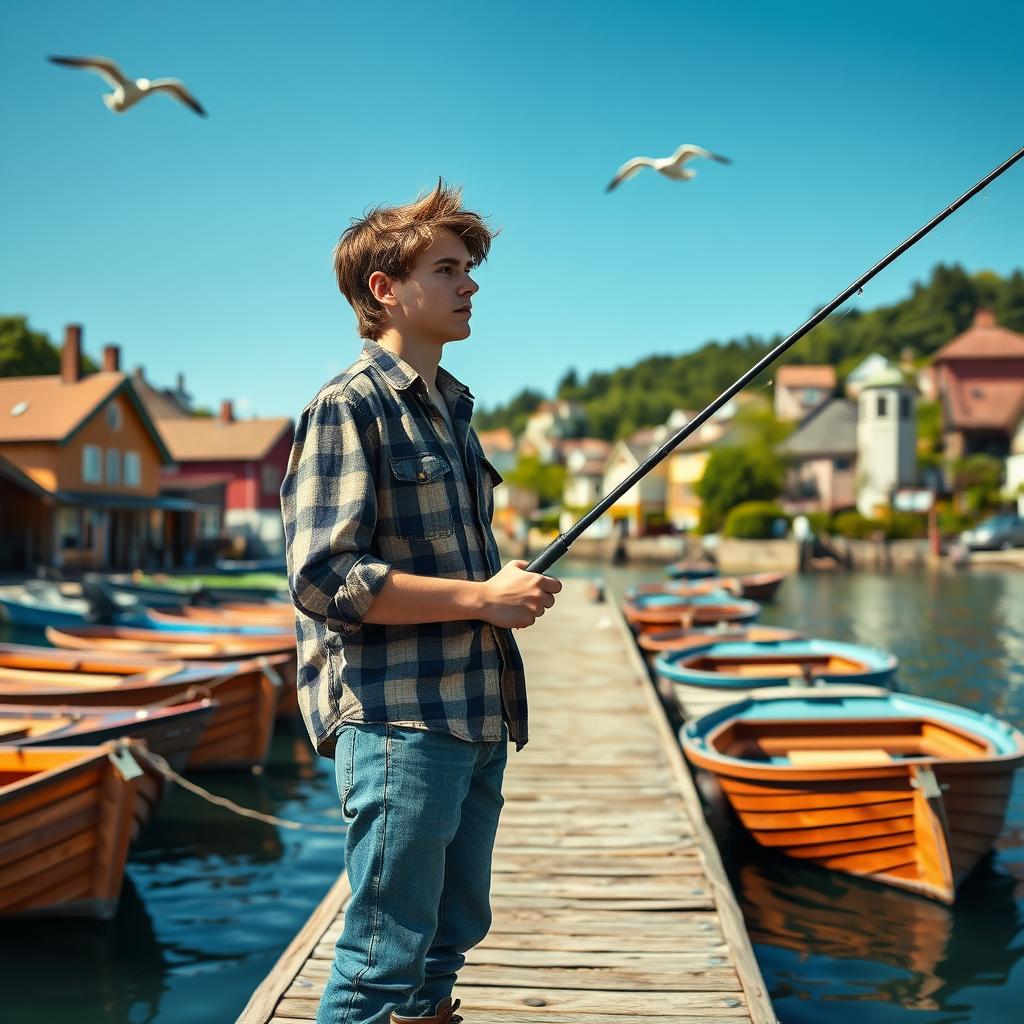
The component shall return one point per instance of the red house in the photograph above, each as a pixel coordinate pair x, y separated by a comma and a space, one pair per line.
979, 377
247, 458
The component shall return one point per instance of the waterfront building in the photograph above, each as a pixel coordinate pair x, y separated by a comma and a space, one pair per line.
799, 390
80, 465
821, 459
248, 457
979, 378
886, 440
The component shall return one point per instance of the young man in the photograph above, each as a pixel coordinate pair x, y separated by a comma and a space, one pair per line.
408, 673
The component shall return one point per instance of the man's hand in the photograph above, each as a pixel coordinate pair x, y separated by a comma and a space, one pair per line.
515, 598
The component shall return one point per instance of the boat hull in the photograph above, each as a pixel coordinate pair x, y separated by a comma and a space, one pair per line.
890, 809
171, 732
238, 734
67, 818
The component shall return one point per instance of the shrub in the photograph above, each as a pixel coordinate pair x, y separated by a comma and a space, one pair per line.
754, 520
853, 525
904, 525
821, 522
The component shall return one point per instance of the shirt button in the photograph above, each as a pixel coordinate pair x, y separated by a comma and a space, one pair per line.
421, 475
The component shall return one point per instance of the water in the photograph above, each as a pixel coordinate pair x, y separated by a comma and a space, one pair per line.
837, 948
211, 899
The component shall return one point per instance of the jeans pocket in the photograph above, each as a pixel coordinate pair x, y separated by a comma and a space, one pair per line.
345, 756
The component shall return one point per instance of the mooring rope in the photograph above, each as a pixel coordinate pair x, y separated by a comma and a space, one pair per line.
160, 764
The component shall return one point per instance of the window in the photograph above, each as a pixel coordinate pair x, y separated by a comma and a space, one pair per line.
113, 466
904, 407
270, 479
114, 418
132, 469
882, 405
209, 523
842, 465
92, 464
812, 396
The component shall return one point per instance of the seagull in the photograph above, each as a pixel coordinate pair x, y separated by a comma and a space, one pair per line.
127, 92
671, 166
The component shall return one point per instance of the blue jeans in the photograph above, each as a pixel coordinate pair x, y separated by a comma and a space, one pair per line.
422, 810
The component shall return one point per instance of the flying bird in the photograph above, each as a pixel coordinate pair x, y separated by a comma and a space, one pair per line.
670, 166
127, 91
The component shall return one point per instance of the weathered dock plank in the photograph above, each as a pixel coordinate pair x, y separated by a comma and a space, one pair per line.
609, 895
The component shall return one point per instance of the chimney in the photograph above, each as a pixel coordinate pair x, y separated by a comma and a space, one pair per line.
139, 374
227, 411
181, 383
984, 318
71, 355
111, 359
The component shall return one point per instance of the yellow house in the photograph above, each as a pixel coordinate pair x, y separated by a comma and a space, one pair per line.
643, 504
686, 469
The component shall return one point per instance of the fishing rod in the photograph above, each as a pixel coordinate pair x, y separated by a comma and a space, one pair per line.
561, 544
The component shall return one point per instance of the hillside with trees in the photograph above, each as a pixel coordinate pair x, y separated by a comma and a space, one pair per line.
620, 401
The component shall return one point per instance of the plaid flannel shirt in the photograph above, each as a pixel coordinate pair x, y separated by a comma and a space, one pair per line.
376, 481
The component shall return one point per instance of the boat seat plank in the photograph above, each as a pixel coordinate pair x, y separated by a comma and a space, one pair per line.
864, 756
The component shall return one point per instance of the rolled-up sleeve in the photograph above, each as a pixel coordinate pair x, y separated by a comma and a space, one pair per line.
329, 507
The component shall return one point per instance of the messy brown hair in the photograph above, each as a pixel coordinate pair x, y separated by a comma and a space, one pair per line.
389, 238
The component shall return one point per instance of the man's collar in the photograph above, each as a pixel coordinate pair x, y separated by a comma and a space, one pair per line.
400, 375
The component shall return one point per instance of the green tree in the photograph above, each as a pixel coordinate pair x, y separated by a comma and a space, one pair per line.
545, 479
976, 481
733, 476
24, 352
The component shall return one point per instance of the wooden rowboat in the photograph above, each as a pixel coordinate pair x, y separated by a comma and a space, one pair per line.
282, 619
686, 570
172, 732
660, 641
67, 817
760, 586
648, 613
237, 736
899, 789
178, 646
722, 672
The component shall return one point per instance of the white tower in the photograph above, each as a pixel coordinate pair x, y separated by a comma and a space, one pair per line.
886, 439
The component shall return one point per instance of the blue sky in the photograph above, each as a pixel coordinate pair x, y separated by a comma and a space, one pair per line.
204, 246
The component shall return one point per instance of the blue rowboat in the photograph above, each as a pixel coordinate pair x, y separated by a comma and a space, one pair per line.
704, 678
648, 612
690, 570
41, 604
903, 790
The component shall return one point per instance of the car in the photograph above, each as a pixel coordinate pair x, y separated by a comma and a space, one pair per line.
995, 533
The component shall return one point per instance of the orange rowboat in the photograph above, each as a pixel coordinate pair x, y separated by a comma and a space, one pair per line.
67, 817
181, 646
899, 789
658, 641
648, 613
171, 732
238, 736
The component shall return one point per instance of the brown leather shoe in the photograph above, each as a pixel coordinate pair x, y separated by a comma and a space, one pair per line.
444, 1013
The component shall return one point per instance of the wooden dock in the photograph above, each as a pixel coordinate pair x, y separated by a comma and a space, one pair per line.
609, 896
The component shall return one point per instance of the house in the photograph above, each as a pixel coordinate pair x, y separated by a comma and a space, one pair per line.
549, 423
865, 369
685, 469
821, 459
799, 390
979, 377
1015, 467
886, 440
513, 505
585, 459
80, 465
642, 505
249, 457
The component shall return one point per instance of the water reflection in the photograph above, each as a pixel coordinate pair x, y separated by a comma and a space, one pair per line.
841, 949
80, 970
